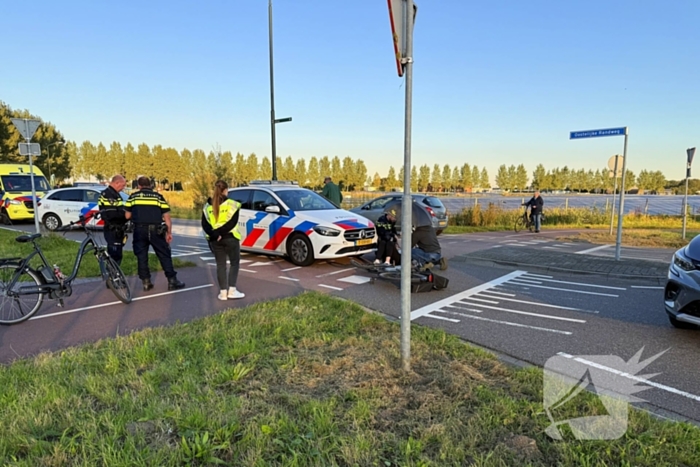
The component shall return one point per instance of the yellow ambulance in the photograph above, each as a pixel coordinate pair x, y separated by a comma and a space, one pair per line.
16, 191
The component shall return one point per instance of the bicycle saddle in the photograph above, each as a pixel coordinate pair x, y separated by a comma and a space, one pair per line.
27, 238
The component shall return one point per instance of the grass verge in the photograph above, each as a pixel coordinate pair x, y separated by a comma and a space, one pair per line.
60, 251
653, 238
306, 381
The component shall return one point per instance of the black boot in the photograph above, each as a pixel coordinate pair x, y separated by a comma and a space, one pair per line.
174, 284
147, 285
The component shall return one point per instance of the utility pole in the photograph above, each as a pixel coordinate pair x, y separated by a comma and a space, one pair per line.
273, 120
691, 153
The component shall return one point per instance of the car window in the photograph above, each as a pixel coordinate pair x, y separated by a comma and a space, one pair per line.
68, 195
19, 183
242, 196
433, 202
305, 200
91, 196
380, 203
263, 199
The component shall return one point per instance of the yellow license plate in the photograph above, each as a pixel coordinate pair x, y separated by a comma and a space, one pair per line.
366, 241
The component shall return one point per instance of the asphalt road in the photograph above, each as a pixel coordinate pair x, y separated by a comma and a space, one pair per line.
526, 314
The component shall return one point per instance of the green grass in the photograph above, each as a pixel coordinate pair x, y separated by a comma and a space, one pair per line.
60, 251
306, 381
185, 213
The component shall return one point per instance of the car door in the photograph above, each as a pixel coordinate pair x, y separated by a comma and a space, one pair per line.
376, 208
268, 232
243, 197
70, 206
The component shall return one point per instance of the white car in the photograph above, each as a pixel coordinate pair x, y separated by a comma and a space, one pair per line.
281, 218
65, 205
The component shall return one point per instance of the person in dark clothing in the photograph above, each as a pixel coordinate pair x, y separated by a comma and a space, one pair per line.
113, 214
331, 192
220, 225
386, 239
426, 247
536, 203
150, 214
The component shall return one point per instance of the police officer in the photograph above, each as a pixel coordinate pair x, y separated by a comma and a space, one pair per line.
150, 214
112, 211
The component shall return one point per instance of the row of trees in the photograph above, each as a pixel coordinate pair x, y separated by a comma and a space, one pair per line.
516, 178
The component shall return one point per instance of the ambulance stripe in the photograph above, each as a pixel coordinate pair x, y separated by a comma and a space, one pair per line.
252, 237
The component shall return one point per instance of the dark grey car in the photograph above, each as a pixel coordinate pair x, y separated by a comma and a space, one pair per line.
682, 293
374, 209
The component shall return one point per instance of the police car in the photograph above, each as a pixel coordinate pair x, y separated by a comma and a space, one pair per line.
281, 218
65, 205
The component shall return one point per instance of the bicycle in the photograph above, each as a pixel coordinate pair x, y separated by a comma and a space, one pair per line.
23, 288
524, 222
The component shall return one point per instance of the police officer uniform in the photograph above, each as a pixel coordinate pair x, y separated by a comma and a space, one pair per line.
224, 241
112, 211
147, 208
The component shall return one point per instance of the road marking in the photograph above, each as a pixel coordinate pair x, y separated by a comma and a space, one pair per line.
529, 274
58, 313
461, 308
529, 281
581, 284
288, 278
547, 305
486, 301
206, 258
330, 287
497, 321
355, 279
443, 318
591, 250
501, 293
336, 272
291, 269
261, 263
550, 248
663, 387
467, 293
566, 290
526, 313
248, 270
647, 287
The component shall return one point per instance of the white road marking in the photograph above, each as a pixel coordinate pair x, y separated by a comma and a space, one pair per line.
291, 269
58, 313
206, 258
443, 318
501, 293
288, 278
526, 313
486, 301
591, 250
529, 274
467, 293
337, 272
507, 323
547, 305
460, 307
565, 290
582, 284
248, 270
329, 287
355, 279
647, 287
261, 263
529, 281
550, 248
663, 387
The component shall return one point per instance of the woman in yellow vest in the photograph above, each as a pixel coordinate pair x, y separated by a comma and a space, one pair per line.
220, 224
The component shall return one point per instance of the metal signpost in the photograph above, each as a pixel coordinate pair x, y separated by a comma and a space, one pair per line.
402, 33
691, 153
273, 120
27, 128
613, 164
611, 132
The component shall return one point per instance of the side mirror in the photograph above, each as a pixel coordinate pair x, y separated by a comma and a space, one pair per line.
273, 209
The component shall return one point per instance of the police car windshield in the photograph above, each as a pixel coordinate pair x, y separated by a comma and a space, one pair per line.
20, 183
304, 200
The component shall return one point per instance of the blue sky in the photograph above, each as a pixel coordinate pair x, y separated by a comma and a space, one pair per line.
497, 82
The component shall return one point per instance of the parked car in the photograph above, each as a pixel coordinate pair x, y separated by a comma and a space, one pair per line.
374, 209
281, 218
682, 291
65, 205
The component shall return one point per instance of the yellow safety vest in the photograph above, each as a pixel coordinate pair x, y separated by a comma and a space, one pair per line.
226, 211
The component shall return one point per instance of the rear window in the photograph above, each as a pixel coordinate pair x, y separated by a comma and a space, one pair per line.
433, 202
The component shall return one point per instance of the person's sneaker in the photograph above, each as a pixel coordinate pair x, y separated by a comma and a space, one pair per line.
443, 263
377, 262
387, 264
537, 231
147, 284
174, 284
235, 293
222, 295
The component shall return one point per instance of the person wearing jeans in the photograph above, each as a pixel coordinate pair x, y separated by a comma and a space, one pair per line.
220, 225
536, 203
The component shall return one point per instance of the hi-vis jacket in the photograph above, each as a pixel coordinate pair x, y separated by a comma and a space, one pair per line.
227, 222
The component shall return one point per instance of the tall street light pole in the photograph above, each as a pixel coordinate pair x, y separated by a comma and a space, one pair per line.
273, 120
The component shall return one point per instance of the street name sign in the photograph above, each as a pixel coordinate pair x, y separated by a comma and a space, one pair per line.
597, 133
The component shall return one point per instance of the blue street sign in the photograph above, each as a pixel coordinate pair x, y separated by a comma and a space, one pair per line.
597, 133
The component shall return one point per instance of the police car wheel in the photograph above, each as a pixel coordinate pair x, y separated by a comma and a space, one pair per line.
51, 221
300, 250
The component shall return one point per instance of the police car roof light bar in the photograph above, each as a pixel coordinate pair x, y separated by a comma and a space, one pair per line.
273, 182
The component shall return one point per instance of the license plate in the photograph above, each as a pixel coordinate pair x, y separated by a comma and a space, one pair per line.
366, 241
443, 222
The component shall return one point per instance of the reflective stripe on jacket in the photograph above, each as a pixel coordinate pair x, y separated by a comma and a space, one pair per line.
226, 211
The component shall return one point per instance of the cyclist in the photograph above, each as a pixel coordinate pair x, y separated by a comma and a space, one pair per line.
535, 204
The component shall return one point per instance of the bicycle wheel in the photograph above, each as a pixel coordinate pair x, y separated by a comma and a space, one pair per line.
116, 280
17, 304
519, 224
396, 276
